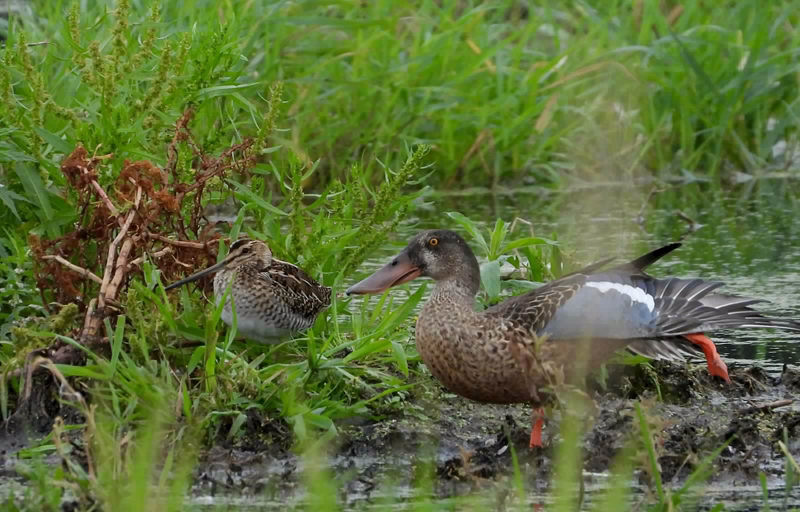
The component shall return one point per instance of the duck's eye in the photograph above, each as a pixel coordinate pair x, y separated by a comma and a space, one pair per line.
433, 242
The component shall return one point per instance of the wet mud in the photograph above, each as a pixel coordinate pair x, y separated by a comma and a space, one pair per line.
468, 447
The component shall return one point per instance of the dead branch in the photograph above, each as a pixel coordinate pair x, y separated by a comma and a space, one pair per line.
121, 269
111, 279
30, 366
111, 257
158, 254
218, 166
75, 268
639, 219
90, 311
172, 149
768, 406
153, 227
102, 194
178, 243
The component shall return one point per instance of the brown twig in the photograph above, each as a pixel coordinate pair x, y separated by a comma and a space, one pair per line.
218, 166
103, 196
121, 269
75, 268
172, 149
178, 243
768, 406
30, 366
111, 257
653, 191
158, 254
112, 279
89, 314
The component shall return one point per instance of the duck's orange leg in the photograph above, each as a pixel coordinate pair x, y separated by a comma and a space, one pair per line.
537, 420
716, 366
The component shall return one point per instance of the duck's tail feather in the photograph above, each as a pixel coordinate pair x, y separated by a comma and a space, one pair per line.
689, 306
642, 262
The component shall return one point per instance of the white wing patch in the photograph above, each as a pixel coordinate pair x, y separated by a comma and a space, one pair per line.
635, 294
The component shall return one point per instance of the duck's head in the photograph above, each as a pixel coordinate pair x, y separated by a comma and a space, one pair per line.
438, 253
243, 252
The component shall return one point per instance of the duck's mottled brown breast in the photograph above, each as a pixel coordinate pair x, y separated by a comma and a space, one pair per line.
470, 352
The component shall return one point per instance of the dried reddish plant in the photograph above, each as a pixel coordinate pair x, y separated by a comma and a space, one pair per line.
142, 215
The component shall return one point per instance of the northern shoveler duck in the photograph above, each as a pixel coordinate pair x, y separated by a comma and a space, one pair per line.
500, 355
273, 298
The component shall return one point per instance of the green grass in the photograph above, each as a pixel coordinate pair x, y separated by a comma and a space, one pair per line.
329, 120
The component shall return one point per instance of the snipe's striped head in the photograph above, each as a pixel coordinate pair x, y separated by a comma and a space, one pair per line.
243, 252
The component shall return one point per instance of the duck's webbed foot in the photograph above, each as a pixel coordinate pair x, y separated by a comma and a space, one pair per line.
537, 422
716, 366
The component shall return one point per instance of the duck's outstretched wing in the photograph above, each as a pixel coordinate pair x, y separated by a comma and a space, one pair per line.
534, 310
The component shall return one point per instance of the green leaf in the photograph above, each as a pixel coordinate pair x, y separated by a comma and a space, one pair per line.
764, 491
9, 155
223, 90
237, 424
249, 194
329, 21
271, 149
164, 307
8, 197
32, 183
617, 494
299, 426
320, 421
700, 473
490, 278
187, 400
498, 235
400, 314
81, 371
366, 349
116, 346
526, 242
470, 228
54, 140
400, 357
197, 355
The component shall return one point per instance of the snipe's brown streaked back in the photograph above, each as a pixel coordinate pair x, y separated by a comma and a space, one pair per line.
273, 298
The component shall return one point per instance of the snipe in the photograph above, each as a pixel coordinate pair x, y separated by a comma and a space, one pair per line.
273, 298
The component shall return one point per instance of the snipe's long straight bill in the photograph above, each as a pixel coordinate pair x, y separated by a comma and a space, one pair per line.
195, 277
398, 271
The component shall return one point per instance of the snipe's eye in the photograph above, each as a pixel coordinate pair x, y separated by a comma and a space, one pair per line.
433, 242
246, 250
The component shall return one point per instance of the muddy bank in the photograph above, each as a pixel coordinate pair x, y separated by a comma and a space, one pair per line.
465, 445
